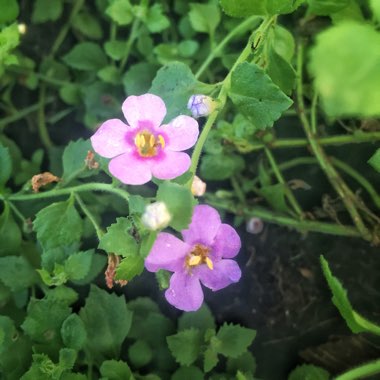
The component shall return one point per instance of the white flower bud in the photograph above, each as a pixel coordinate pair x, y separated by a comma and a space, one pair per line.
198, 187
21, 28
156, 216
201, 105
254, 225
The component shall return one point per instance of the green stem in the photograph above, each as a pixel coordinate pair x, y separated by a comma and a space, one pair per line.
236, 186
336, 181
70, 190
17, 212
330, 140
42, 128
280, 178
89, 215
365, 370
22, 113
313, 113
272, 217
241, 28
132, 36
65, 29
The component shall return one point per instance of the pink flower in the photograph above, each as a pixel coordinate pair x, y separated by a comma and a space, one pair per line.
144, 148
203, 257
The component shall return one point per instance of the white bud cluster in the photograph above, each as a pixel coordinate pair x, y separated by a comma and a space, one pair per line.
156, 216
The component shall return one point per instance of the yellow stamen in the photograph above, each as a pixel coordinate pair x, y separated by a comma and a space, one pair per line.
209, 263
161, 140
194, 260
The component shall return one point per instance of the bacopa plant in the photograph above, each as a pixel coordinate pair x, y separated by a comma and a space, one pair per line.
147, 148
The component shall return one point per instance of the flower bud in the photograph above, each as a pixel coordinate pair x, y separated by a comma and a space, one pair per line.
21, 28
254, 225
201, 105
156, 216
198, 187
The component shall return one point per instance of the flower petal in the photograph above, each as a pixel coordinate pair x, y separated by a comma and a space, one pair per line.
168, 252
204, 226
144, 109
225, 272
110, 139
227, 242
130, 170
170, 165
182, 133
185, 292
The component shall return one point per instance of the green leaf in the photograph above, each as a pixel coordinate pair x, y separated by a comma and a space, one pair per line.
201, 319
109, 74
115, 370
58, 224
85, 23
115, 49
140, 354
9, 39
204, 18
70, 94
309, 372
44, 320
155, 20
185, 346
217, 167
354, 321
256, 96
67, 358
9, 10
374, 161
163, 278
281, 72
193, 373
73, 160
246, 8
5, 164
17, 273
179, 202
46, 10
137, 80
210, 360
129, 267
343, 89
174, 83
98, 263
62, 294
120, 11
78, 265
234, 340
107, 321
136, 204
275, 196
73, 332
10, 234
87, 56
245, 363
118, 238
283, 43
375, 6
326, 7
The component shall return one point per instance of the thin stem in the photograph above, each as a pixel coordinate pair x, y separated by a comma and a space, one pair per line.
17, 212
365, 370
87, 212
236, 186
132, 36
241, 28
70, 190
313, 113
17, 115
272, 217
330, 140
65, 29
280, 178
336, 181
42, 128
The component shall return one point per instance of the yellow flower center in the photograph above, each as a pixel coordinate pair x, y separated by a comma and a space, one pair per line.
197, 256
147, 143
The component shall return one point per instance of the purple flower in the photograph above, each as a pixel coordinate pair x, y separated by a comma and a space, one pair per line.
144, 147
203, 257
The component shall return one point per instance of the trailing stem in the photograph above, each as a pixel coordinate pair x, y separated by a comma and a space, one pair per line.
336, 181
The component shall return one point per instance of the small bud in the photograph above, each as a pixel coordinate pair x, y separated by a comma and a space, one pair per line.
21, 28
201, 105
198, 187
254, 225
156, 216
